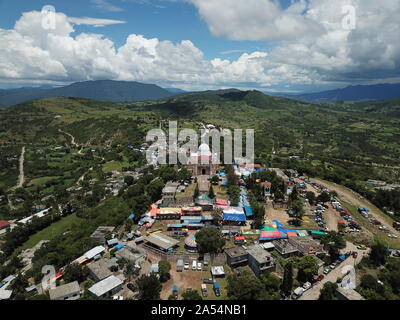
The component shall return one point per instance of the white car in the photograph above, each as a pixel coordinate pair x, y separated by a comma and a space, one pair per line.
186, 266
332, 266
306, 286
199, 267
392, 236
194, 265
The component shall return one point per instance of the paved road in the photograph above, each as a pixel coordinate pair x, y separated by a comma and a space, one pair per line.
338, 272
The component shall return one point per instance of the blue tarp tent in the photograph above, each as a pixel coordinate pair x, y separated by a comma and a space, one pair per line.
118, 246
234, 217
132, 216
248, 210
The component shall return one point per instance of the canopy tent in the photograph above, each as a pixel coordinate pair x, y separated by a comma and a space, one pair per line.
291, 234
221, 202
235, 217
272, 235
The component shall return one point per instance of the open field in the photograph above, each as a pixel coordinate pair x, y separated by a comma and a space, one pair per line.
51, 231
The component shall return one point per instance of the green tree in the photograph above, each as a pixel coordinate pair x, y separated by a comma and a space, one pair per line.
191, 295
328, 292
307, 267
244, 286
209, 240
324, 197
311, 197
149, 287
164, 268
378, 254
211, 193
129, 180
287, 282
214, 180
75, 272
196, 191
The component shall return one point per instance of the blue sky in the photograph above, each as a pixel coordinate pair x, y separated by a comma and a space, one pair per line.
271, 45
175, 21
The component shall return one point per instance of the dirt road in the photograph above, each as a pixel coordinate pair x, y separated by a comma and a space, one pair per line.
338, 272
357, 200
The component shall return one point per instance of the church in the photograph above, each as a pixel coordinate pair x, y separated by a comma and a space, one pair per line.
201, 162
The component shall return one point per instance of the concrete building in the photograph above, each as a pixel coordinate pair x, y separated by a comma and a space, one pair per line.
306, 245
236, 257
107, 287
260, 260
69, 291
101, 269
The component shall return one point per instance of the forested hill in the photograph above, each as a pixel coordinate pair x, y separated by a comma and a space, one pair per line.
107, 90
359, 132
353, 93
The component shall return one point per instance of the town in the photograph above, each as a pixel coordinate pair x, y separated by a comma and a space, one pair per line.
212, 229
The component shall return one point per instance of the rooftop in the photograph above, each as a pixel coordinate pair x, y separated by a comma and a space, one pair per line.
236, 252
106, 285
162, 241
259, 254
101, 268
64, 290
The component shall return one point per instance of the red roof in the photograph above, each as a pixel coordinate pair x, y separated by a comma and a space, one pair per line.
4, 223
266, 184
255, 166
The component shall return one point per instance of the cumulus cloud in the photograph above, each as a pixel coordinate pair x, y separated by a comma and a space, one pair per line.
324, 52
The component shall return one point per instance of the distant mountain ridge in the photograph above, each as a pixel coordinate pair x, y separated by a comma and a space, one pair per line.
106, 90
351, 93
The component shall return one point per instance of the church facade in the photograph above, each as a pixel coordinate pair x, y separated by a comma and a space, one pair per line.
201, 164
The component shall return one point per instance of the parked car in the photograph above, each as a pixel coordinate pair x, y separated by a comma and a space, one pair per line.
332, 266
327, 270
355, 254
131, 287
204, 290
361, 247
187, 266
217, 290
194, 265
208, 281
392, 236
306, 286
297, 293
199, 266
320, 277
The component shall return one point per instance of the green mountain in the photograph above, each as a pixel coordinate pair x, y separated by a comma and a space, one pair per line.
360, 132
107, 90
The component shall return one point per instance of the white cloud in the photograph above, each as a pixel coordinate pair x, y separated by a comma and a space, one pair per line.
94, 21
106, 5
329, 55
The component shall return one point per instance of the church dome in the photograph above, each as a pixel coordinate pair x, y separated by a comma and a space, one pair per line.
204, 149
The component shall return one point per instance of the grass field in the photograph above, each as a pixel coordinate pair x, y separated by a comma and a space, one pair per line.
42, 180
51, 231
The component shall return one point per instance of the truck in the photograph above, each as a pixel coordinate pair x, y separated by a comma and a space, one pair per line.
297, 293
204, 290
179, 265
217, 290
